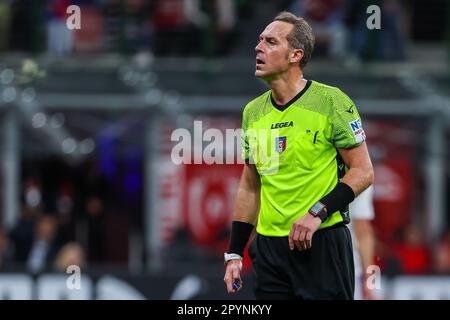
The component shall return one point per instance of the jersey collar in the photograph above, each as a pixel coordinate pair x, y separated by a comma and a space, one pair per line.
284, 107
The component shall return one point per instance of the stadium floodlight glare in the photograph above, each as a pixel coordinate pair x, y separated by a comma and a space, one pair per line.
86, 146
28, 95
39, 120
171, 97
57, 120
149, 79
9, 94
69, 145
153, 97
131, 78
6, 76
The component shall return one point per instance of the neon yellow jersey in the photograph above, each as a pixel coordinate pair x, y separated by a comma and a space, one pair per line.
294, 150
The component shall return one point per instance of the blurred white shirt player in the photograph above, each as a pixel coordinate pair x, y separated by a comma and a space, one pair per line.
362, 214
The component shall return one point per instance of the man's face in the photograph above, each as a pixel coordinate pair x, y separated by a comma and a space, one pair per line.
273, 51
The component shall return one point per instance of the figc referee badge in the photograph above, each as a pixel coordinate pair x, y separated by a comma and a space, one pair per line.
280, 144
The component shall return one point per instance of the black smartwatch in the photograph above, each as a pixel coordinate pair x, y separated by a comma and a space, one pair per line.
319, 210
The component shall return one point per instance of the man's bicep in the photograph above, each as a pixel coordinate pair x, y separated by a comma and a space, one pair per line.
357, 157
360, 173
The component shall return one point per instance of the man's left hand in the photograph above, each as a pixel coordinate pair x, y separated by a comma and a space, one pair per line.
302, 231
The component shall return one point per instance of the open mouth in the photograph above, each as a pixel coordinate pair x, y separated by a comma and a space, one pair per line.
259, 61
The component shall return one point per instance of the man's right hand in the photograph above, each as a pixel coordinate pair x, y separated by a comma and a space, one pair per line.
233, 275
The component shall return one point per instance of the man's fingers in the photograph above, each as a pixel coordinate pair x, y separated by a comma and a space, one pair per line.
228, 284
309, 236
236, 274
299, 239
236, 279
303, 239
296, 238
228, 280
291, 238
232, 277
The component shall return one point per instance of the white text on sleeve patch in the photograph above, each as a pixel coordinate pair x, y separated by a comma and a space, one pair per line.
357, 130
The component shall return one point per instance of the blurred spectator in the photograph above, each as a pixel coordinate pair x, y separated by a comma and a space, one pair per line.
44, 248
218, 27
442, 254
96, 229
64, 212
70, 254
93, 190
92, 181
177, 26
5, 17
59, 37
326, 17
369, 45
392, 42
91, 37
22, 234
37, 11
411, 252
138, 31
6, 257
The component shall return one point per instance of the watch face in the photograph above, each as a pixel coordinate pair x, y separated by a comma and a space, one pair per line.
317, 207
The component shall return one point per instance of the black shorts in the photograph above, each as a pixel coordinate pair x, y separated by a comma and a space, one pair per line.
326, 271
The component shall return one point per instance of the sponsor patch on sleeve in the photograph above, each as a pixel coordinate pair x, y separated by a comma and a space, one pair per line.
357, 130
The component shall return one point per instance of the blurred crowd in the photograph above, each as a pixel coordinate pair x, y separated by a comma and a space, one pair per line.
196, 27
162, 26
68, 217
409, 253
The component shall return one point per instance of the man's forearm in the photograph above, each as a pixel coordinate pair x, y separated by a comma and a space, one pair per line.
247, 206
366, 242
244, 220
246, 210
359, 179
360, 174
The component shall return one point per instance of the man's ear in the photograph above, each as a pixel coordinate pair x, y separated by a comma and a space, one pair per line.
296, 55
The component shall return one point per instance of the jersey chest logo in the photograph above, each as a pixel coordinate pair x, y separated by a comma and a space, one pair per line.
280, 144
282, 125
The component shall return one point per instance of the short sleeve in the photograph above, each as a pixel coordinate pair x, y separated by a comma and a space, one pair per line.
346, 122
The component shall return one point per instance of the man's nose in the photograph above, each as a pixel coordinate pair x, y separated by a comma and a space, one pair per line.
258, 47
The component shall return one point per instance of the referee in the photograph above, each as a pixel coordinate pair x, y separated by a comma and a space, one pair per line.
306, 160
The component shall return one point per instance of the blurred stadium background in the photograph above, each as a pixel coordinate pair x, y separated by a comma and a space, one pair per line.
86, 118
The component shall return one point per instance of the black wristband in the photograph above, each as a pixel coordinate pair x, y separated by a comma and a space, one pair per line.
240, 232
338, 198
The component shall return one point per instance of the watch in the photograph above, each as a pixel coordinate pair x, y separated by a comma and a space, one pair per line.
232, 256
319, 210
